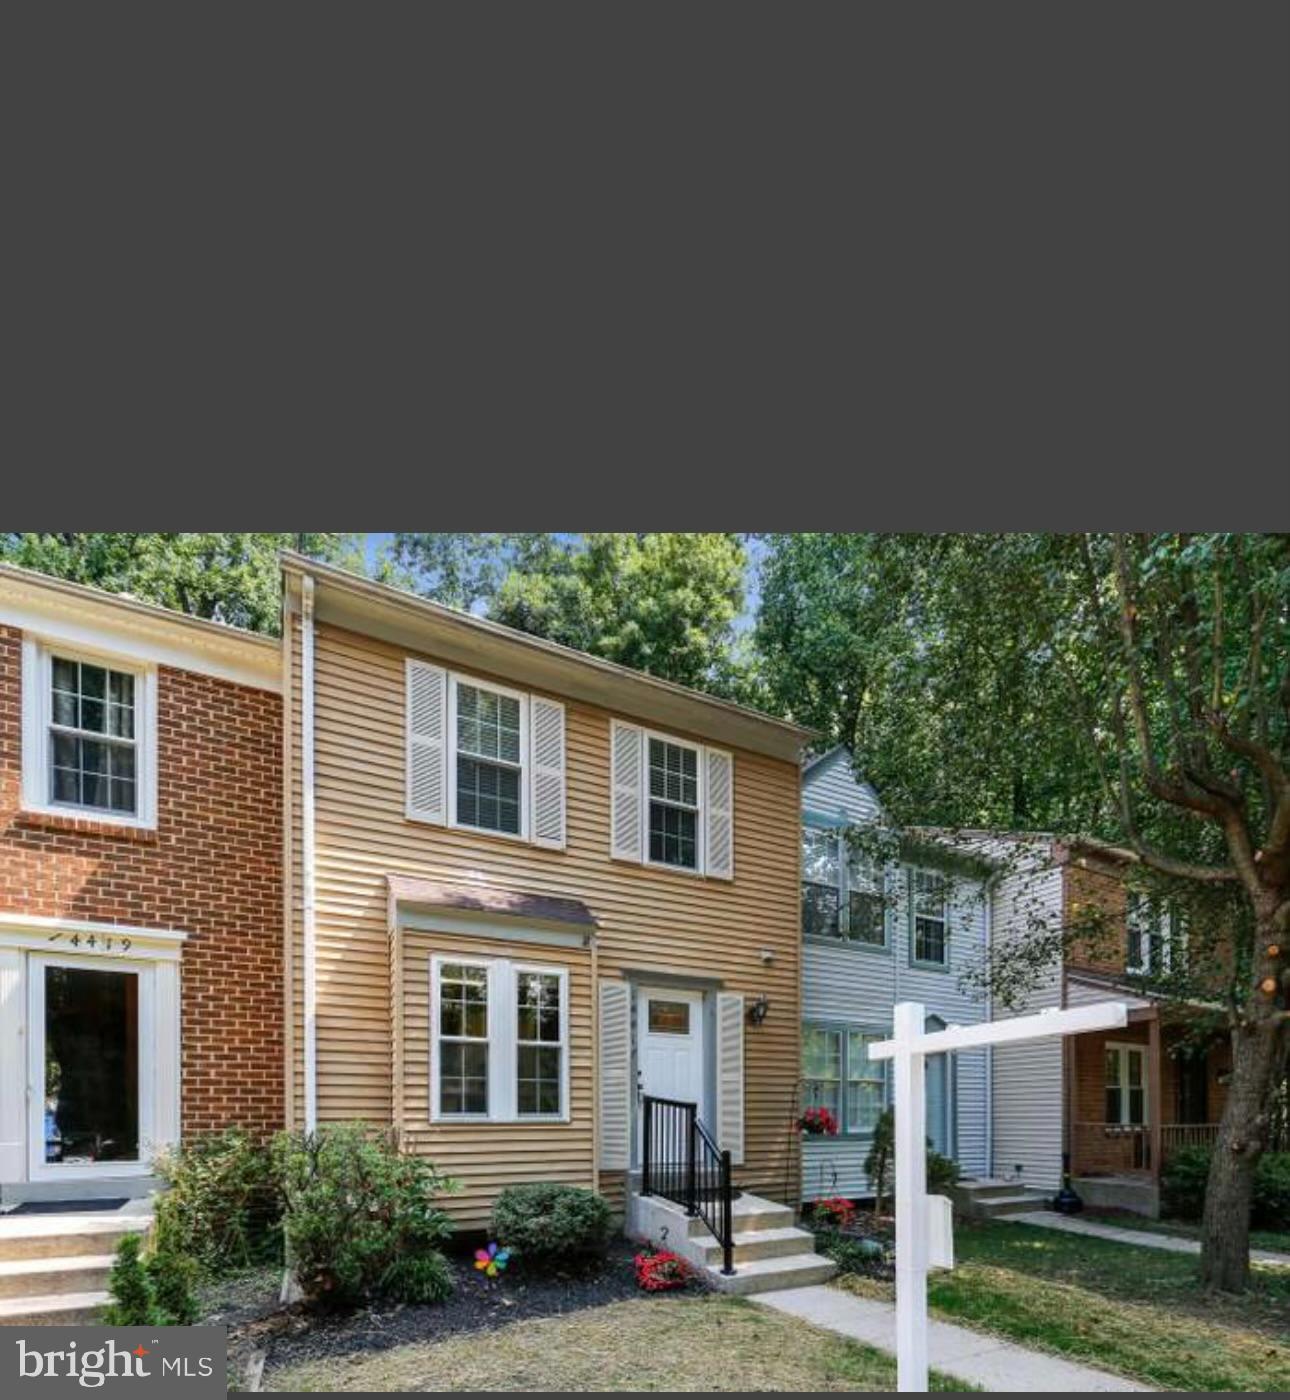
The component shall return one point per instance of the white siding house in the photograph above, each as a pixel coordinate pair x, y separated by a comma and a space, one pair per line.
862, 955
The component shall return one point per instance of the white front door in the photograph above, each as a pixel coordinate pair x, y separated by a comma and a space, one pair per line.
90, 1072
669, 1045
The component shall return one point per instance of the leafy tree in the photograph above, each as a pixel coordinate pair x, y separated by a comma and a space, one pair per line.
661, 603
130, 1288
1131, 688
231, 578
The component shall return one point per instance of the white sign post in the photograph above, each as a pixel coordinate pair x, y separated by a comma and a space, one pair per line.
908, 1050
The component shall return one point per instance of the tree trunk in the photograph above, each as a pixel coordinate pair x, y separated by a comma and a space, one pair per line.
1242, 1137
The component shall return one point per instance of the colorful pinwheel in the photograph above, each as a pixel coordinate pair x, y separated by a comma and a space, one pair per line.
492, 1260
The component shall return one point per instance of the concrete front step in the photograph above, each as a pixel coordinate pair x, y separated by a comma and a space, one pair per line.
769, 1275
756, 1244
748, 1214
61, 1236
51, 1309
1011, 1205
77, 1273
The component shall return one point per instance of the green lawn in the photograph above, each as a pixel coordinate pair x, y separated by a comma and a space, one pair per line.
704, 1342
1259, 1239
1137, 1311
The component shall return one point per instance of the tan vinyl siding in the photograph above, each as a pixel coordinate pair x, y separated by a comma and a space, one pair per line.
651, 919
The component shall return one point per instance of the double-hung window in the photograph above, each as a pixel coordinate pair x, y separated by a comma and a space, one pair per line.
1148, 950
929, 911
843, 893
866, 916
88, 735
1126, 1084
838, 1074
821, 901
499, 1040
489, 775
673, 803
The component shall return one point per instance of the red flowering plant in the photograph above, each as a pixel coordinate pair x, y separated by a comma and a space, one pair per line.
835, 1212
818, 1122
660, 1269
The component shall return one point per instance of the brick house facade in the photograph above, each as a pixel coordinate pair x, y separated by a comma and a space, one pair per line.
199, 885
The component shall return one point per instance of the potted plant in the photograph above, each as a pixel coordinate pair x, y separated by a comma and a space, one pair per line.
818, 1122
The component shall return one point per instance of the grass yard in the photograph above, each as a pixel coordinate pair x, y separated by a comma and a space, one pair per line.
1259, 1239
1137, 1311
704, 1342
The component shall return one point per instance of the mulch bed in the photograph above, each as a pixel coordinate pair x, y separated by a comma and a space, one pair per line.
294, 1335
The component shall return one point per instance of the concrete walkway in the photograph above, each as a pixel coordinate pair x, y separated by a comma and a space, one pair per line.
1148, 1239
955, 1351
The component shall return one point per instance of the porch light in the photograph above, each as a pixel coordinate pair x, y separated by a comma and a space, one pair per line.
757, 1011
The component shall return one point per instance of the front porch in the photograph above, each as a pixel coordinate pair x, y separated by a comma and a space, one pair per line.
1134, 1097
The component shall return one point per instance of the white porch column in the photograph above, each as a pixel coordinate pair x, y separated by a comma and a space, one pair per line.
13, 1067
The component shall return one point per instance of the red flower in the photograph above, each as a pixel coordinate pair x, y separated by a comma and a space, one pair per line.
661, 1269
818, 1122
835, 1210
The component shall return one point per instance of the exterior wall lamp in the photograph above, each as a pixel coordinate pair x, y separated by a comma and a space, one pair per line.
757, 1011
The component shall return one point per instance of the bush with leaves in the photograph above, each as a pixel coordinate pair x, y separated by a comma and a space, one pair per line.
548, 1225
361, 1219
222, 1205
133, 1303
880, 1164
851, 1253
1185, 1176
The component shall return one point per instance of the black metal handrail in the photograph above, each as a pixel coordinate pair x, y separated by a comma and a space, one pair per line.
681, 1162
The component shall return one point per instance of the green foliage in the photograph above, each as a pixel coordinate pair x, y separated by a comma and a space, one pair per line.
361, 1217
129, 1287
231, 578
546, 1224
942, 1173
1185, 1178
880, 1163
222, 1204
661, 603
173, 1276
851, 1255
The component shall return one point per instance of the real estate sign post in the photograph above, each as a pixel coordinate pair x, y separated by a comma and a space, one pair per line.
908, 1050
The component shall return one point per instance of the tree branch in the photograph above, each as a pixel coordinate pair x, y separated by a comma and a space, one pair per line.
1141, 854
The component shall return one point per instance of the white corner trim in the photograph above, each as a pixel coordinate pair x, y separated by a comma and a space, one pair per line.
123, 627
44, 933
308, 896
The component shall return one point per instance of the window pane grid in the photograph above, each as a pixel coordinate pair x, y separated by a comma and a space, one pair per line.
488, 764
463, 1039
92, 737
539, 1054
929, 899
674, 804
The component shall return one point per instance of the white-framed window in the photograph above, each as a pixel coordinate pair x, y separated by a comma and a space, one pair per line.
1126, 1083
838, 1074
499, 1040
89, 735
674, 790
489, 727
1148, 936
843, 889
929, 912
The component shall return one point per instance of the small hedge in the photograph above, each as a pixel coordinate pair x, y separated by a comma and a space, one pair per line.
1186, 1175
547, 1225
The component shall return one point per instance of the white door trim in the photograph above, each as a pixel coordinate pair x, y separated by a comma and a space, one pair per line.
697, 1001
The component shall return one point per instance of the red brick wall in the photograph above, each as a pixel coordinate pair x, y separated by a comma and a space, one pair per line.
213, 867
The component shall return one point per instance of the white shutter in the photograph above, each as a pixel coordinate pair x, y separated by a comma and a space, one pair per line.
546, 719
718, 814
627, 802
615, 1076
427, 722
730, 1074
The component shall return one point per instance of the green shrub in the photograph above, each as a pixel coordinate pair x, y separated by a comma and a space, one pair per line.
546, 1224
133, 1303
1186, 1175
942, 1173
880, 1164
360, 1217
173, 1276
851, 1255
222, 1205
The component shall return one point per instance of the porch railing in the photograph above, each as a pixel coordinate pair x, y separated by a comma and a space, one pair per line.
681, 1163
1176, 1135
1111, 1147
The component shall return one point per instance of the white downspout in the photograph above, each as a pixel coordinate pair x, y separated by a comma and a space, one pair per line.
989, 1016
307, 838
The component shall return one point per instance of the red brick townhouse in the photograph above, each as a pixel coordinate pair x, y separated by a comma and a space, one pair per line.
141, 894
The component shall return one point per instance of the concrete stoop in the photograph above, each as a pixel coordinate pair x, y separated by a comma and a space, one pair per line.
985, 1198
54, 1268
770, 1251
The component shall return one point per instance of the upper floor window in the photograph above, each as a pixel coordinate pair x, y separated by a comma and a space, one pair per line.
930, 911
1148, 936
88, 735
842, 890
673, 803
483, 757
499, 1040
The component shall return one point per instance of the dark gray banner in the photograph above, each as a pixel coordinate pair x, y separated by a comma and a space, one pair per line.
63, 1361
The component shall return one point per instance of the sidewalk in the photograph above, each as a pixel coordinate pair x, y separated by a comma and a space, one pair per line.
970, 1356
1148, 1239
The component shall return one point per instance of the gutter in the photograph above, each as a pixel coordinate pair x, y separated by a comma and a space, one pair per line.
307, 849
989, 1016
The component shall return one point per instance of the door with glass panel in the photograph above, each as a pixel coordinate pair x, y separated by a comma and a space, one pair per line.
89, 1069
